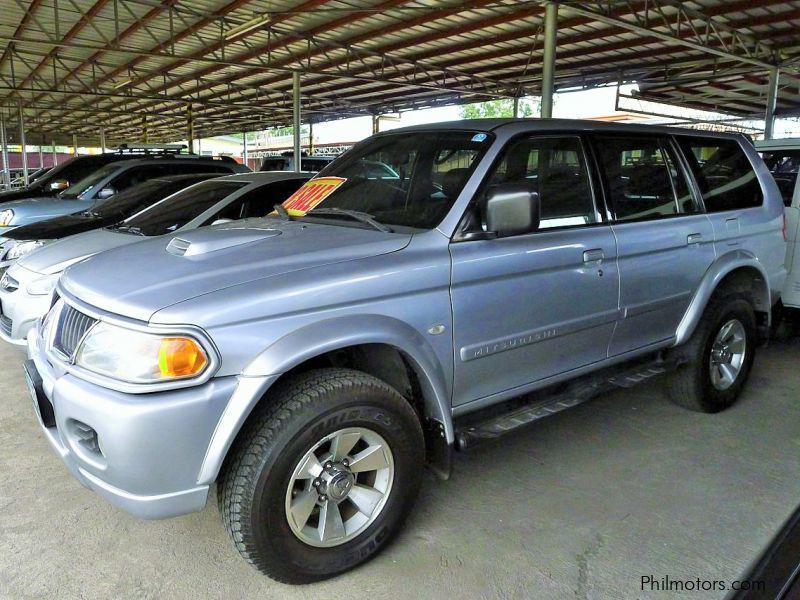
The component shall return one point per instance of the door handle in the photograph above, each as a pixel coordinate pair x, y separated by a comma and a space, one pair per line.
694, 238
594, 255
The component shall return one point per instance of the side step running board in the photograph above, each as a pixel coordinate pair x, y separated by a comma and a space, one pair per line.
545, 404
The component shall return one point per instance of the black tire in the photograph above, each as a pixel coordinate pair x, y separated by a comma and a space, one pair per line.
691, 385
252, 491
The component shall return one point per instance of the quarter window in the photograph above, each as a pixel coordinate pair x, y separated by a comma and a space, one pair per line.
723, 172
643, 180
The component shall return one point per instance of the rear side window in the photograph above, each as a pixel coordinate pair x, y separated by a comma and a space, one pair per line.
643, 180
784, 165
723, 173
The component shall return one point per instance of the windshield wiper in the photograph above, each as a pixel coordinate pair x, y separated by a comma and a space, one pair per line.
282, 212
353, 214
129, 229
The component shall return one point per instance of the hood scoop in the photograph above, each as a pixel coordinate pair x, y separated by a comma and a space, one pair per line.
211, 240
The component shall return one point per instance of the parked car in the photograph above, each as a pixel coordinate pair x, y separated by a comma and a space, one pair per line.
309, 164
26, 287
783, 160
22, 240
309, 363
62, 176
104, 183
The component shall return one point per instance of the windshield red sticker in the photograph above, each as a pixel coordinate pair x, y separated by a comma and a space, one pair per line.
311, 194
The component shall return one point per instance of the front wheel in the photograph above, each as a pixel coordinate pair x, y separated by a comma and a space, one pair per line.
720, 355
324, 477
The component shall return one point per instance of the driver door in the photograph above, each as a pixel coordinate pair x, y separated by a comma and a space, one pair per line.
533, 306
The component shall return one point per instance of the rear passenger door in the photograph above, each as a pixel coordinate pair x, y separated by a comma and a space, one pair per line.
731, 191
665, 242
531, 306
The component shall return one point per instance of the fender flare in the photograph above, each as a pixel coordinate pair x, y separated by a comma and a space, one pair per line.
720, 268
317, 339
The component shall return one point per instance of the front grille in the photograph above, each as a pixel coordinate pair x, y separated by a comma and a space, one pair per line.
5, 324
71, 327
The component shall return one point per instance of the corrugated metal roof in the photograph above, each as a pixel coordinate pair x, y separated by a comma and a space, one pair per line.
137, 65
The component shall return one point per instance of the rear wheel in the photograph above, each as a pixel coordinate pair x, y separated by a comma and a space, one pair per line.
324, 477
720, 355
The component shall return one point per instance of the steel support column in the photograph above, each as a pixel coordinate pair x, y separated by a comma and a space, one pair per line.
190, 127
516, 107
4, 147
549, 58
75, 144
296, 118
103, 139
23, 145
772, 100
55, 154
244, 149
41, 154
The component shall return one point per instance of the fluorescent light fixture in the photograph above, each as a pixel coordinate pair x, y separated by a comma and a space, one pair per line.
247, 26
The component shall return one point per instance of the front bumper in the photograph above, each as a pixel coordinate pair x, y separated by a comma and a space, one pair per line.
142, 452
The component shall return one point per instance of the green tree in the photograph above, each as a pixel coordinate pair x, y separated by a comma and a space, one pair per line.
501, 108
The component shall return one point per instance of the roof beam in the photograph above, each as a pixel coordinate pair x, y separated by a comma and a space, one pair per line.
714, 37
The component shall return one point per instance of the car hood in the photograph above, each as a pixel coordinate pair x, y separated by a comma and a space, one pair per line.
144, 278
21, 194
56, 256
60, 227
41, 208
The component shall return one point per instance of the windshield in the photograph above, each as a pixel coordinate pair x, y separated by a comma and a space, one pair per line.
176, 211
137, 198
88, 182
400, 180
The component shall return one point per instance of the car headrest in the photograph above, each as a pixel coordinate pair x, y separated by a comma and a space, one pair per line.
452, 182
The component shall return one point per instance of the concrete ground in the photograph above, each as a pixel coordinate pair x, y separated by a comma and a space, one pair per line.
580, 505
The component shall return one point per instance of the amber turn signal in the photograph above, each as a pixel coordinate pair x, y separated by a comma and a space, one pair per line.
180, 357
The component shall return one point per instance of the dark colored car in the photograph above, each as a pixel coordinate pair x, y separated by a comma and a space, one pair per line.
308, 164
115, 209
105, 182
62, 176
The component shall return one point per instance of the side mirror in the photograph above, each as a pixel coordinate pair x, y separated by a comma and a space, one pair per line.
106, 193
512, 209
59, 185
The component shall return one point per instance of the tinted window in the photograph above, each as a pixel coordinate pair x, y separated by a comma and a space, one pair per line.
724, 175
135, 176
87, 183
258, 202
274, 164
554, 168
784, 165
406, 180
176, 211
136, 199
642, 178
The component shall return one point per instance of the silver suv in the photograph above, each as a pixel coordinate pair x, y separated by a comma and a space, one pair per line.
311, 363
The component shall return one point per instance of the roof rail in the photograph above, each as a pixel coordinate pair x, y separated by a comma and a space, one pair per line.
150, 148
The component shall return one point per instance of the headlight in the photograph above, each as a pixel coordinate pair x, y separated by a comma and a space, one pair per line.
136, 357
24, 248
43, 286
6, 216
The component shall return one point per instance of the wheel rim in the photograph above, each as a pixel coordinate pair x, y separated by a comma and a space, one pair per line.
339, 487
728, 354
